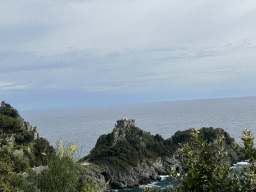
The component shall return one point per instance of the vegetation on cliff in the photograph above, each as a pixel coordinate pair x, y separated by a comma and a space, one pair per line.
138, 145
12, 134
19, 153
209, 170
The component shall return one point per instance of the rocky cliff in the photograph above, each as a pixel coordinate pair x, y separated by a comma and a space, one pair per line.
26, 125
148, 168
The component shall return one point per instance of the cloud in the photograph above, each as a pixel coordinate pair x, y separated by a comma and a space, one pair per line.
2, 84
12, 86
58, 27
126, 46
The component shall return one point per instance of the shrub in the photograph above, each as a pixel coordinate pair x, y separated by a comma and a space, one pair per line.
7, 109
21, 163
158, 137
6, 170
42, 145
209, 171
24, 137
32, 181
90, 186
9, 124
62, 171
17, 181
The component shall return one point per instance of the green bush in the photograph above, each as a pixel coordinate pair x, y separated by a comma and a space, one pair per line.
24, 137
31, 181
209, 171
17, 181
90, 186
9, 124
158, 137
6, 170
32, 158
62, 171
42, 145
20, 163
8, 110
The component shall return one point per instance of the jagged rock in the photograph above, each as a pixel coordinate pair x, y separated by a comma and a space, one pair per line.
26, 125
38, 170
11, 139
95, 173
150, 170
144, 173
18, 152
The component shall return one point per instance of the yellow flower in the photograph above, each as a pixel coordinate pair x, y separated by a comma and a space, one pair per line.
75, 160
60, 141
43, 153
73, 147
68, 153
62, 151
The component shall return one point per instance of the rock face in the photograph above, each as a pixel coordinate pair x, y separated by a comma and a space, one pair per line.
19, 153
143, 174
38, 170
93, 171
150, 170
26, 125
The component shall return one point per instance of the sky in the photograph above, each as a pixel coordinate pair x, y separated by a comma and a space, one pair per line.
81, 53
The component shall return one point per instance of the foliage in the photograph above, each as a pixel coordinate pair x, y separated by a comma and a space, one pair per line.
90, 186
6, 170
32, 181
133, 149
250, 153
42, 145
209, 171
24, 138
18, 181
62, 171
63, 168
139, 145
20, 163
8, 110
9, 124
158, 137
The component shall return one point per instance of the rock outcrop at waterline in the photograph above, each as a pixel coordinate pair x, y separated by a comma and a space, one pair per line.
129, 157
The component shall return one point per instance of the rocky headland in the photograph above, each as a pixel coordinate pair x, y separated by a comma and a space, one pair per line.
125, 158
129, 157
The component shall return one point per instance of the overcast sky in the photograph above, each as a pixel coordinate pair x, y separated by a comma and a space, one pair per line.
77, 53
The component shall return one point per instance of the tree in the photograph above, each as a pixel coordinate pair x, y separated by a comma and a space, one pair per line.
209, 171
7, 109
250, 153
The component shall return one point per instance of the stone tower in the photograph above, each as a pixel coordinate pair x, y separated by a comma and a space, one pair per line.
125, 122
120, 129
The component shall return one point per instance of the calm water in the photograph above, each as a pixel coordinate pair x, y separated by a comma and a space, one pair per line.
85, 125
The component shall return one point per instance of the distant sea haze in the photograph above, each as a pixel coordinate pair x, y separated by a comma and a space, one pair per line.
85, 125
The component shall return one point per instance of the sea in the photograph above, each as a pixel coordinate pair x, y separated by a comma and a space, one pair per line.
84, 125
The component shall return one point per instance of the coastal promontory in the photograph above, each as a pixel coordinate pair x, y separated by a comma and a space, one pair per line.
128, 156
